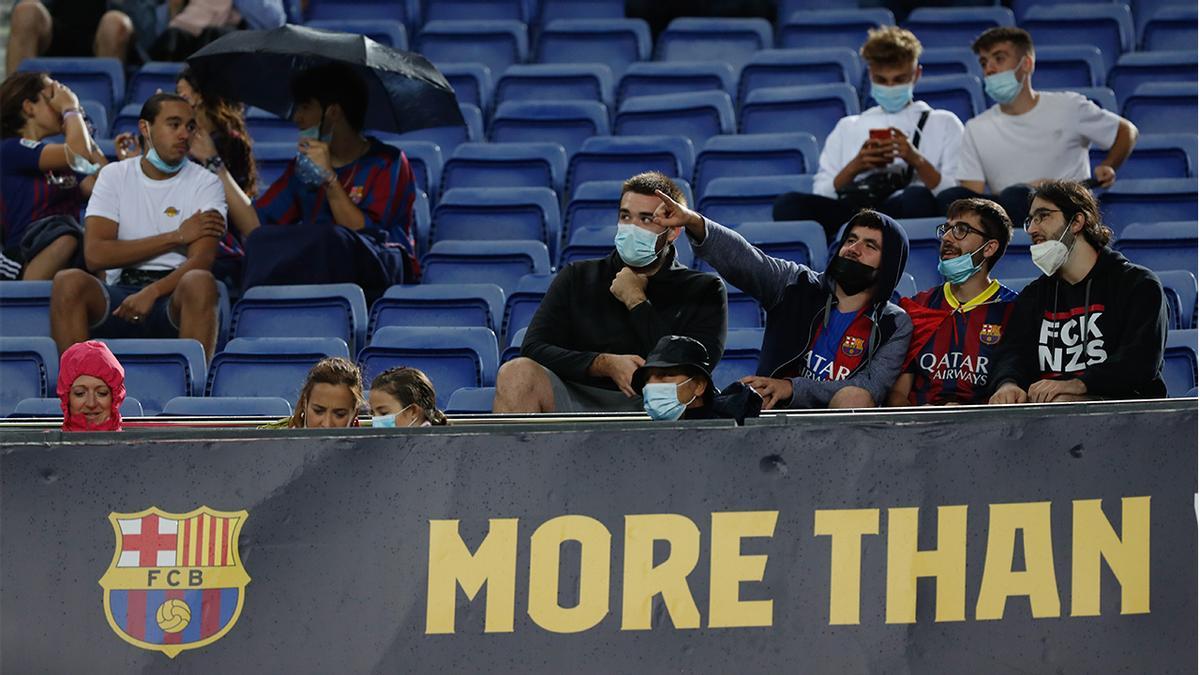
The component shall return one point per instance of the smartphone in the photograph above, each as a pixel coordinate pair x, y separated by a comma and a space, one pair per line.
881, 134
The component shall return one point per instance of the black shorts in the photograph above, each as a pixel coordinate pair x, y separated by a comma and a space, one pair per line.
74, 26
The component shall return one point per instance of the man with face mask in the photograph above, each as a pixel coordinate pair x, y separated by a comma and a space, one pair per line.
958, 325
676, 383
1094, 325
600, 318
894, 157
1031, 136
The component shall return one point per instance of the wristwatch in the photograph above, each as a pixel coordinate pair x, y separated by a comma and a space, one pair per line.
214, 164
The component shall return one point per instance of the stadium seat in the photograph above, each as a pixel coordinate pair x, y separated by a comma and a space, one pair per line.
956, 25
1157, 156
1161, 245
272, 160
149, 79
319, 310
960, 94
742, 346
937, 61
28, 369
523, 302
477, 165
448, 138
452, 356
905, 288
494, 10
606, 158
731, 41
513, 350
596, 204
815, 109
567, 123
1138, 68
52, 407
387, 32
159, 370
91, 78
613, 42
1179, 287
1107, 26
471, 401
1170, 28
439, 305
472, 82
407, 12
263, 126
801, 241
499, 262
1179, 362
798, 67
1101, 96
744, 311
923, 250
496, 43
1064, 66
755, 155
655, 78
1016, 263
25, 308
471, 214
273, 367
556, 82
1021, 7
552, 10
127, 117
698, 115
1149, 200
735, 200
425, 159
1163, 107
228, 406
832, 28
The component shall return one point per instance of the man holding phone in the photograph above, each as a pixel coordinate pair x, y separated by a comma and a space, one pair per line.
891, 158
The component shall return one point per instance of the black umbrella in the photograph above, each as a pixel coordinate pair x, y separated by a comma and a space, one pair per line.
405, 91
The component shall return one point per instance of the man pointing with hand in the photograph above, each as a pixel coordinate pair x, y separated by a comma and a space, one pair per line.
600, 318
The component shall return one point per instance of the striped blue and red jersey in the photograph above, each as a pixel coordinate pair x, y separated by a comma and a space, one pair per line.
953, 363
28, 194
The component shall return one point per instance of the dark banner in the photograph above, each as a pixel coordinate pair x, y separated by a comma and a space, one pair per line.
1059, 539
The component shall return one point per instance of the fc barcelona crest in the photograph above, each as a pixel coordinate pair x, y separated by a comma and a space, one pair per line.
176, 581
852, 346
990, 334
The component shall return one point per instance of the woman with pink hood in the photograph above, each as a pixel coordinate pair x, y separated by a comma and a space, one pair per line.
91, 386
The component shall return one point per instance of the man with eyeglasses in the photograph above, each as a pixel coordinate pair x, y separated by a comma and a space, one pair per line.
958, 325
1094, 326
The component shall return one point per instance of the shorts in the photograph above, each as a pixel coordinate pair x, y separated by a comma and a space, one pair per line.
157, 325
574, 397
74, 24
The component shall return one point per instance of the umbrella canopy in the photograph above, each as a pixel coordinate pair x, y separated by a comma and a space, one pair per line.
256, 67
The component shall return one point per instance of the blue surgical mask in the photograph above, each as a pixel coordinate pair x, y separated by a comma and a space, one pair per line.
314, 133
1003, 87
636, 246
892, 99
157, 162
80, 164
958, 270
661, 400
389, 421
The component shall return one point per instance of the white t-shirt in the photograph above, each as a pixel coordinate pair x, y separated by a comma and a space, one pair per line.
940, 139
143, 207
1050, 141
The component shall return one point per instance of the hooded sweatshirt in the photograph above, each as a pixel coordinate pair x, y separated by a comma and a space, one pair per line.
90, 358
1109, 330
799, 303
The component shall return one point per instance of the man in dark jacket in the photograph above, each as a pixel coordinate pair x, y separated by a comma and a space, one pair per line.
1094, 326
832, 339
600, 318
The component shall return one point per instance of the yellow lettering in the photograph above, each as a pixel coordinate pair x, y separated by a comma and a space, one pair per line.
999, 580
452, 565
643, 580
845, 528
729, 568
947, 564
596, 557
1128, 556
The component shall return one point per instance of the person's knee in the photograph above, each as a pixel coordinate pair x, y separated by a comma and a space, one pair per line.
30, 17
520, 373
852, 397
197, 289
115, 26
70, 285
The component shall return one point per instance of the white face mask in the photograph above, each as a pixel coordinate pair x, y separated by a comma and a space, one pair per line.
1050, 255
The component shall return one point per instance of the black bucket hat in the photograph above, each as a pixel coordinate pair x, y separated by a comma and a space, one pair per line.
677, 351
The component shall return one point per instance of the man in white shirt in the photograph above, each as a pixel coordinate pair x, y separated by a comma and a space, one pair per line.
892, 158
153, 223
1030, 137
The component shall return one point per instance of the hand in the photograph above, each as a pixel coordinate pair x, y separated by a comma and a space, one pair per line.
127, 146
202, 148
629, 287
904, 149
619, 368
771, 390
199, 225
672, 214
137, 307
61, 97
1104, 175
1008, 394
318, 152
873, 155
1045, 391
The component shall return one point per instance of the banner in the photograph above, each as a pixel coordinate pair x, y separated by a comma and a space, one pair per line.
1041, 539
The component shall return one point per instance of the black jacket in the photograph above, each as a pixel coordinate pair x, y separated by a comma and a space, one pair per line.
1120, 309
580, 318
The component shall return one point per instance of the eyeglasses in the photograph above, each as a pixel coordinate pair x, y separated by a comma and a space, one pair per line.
959, 229
1038, 217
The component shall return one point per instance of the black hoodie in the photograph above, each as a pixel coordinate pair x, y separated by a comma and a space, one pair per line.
1119, 309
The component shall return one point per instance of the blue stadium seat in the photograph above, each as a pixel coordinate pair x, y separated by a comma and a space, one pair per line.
475, 165
905, 288
1149, 200
523, 302
587, 243
494, 10
1138, 68
228, 406
735, 200
815, 109
1161, 245
1157, 156
1063, 66
596, 204
742, 346
960, 94
955, 25
1179, 362
448, 138
388, 32
452, 356
832, 28
655, 78
472, 82
744, 311
269, 366
798, 67
28, 369
319, 310
126, 119
923, 250
159, 370
801, 241
425, 159
1016, 283
149, 79
1179, 287
497, 43
439, 305
567, 123
472, 214
552, 10
25, 308
756, 155
605, 158
556, 82
513, 350
1170, 28
500, 262
698, 115
613, 42
1108, 26
272, 160
407, 12
52, 407
1021, 7
97, 114
471, 401
1016, 263
263, 126
91, 78
937, 61
1101, 96
731, 41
